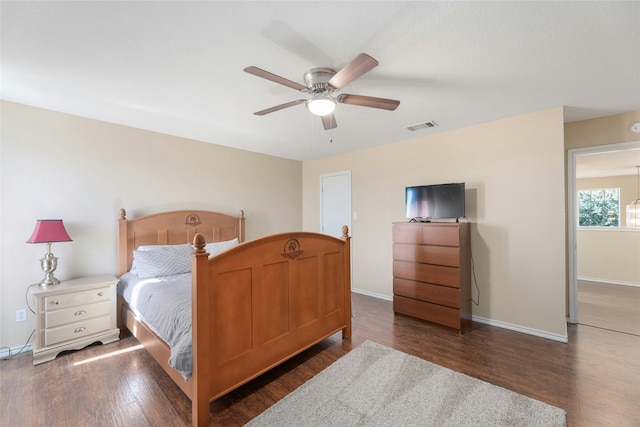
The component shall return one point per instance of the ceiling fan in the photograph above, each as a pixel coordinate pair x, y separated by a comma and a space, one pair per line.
321, 83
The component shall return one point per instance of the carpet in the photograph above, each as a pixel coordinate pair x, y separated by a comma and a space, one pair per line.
374, 385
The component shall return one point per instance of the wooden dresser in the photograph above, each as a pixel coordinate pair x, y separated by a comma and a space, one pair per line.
432, 272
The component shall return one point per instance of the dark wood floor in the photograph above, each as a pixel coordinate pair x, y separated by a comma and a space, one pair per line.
595, 378
609, 306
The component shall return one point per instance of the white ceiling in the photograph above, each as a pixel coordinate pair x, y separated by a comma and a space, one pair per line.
177, 67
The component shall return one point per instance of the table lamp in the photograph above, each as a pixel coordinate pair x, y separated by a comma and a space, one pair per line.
49, 231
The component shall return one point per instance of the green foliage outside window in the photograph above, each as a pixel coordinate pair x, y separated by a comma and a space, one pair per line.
599, 208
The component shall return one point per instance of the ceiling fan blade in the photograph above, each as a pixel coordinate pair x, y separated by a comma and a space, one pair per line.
280, 107
329, 121
354, 69
275, 78
368, 101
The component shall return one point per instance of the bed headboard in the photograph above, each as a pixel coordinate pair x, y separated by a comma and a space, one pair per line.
173, 228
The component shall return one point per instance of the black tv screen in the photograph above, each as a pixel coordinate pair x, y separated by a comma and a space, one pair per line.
437, 201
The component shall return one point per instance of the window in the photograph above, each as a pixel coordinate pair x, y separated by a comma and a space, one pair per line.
599, 207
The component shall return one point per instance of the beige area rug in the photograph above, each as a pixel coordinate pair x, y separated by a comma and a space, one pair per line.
374, 385
608, 306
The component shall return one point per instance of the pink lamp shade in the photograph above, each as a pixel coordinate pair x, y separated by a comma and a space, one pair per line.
49, 231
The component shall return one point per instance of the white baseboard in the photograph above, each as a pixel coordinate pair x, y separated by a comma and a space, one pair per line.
486, 321
12, 351
518, 328
609, 281
372, 294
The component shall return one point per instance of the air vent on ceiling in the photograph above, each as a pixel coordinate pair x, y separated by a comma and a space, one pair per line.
424, 125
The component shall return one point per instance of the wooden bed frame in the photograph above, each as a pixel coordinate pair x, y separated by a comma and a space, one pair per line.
254, 306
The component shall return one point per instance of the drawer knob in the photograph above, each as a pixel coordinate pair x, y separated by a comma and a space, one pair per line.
100, 294
80, 329
55, 302
79, 313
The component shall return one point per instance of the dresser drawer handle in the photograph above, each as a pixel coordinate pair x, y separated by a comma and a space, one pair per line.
55, 302
79, 313
100, 294
80, 329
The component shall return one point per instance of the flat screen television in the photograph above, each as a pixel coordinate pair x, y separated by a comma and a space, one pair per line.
438, 201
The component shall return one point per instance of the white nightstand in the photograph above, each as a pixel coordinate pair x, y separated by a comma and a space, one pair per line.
74, 314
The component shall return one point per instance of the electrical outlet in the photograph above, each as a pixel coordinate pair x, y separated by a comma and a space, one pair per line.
21, 316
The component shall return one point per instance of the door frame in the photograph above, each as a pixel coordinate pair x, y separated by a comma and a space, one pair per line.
573, 215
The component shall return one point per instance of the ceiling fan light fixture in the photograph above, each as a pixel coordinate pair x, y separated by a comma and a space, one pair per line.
321, 105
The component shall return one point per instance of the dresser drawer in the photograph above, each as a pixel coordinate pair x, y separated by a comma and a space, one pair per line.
55, 318
407, 233
76, 330
442, 295
426, 311
439, 255
427, 234
441, 234
73, 299
436, 274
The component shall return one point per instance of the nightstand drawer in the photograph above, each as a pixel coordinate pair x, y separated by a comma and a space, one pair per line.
72, 299
76, 314
76, 330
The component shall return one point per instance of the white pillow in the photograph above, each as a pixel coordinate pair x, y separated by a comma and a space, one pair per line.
217, 247
163, 261
134, 267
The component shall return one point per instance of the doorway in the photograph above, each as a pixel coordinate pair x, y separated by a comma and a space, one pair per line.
590, 290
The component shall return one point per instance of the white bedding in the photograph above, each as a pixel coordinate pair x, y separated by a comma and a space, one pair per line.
164, 305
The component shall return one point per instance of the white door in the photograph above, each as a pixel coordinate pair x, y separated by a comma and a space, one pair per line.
335, 202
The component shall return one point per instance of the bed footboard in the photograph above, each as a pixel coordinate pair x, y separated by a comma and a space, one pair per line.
261, 303
253, 306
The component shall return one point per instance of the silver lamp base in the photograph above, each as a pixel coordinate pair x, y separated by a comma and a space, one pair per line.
49, 264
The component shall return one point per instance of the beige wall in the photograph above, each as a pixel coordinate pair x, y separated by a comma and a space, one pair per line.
82, 171
610, 255
514, 174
